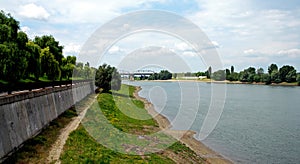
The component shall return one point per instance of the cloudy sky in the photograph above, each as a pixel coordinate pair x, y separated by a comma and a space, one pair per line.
244, 32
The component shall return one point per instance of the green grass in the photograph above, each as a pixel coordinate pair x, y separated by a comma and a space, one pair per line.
107, 131
124, 112
82, 148
186, 152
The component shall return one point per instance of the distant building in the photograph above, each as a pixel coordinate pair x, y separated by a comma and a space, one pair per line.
202, 77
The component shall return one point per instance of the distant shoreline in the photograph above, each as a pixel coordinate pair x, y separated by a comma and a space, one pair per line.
225, 82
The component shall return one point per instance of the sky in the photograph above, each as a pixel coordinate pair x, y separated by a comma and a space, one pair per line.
243, 32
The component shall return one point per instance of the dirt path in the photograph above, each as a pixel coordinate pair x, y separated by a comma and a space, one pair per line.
57, 147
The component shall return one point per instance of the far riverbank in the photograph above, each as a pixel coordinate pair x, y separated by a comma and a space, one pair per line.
227, 82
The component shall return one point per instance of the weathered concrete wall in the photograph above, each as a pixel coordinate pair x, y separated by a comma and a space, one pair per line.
24, 115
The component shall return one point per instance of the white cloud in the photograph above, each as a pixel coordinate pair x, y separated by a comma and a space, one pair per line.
114, 49
72, 49
182, 46
293, 53
189, 53
91, 11
34, 11
250, 51
25, 29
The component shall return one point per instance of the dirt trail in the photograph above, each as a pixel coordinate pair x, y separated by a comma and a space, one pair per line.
57, 147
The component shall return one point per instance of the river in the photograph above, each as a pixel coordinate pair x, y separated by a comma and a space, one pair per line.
259, 123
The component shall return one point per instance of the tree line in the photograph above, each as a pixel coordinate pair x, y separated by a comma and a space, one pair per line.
274, 74
23, 58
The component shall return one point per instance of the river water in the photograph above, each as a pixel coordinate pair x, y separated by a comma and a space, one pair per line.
259, 123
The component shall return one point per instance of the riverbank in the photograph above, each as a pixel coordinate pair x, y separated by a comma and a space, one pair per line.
96, 141
185, 137
228, 82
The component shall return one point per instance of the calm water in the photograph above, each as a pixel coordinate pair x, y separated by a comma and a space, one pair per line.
259, 124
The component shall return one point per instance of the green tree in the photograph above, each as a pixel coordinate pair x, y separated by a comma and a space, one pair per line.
200, 74
260, 71
234, 76
165, 75
291, 76
16, 63
266, 78
228, 74
8, 28
298, 78
175, 75
54, 47
257, 78
34, 59
209, 72
67, 66
271, 68
232, 69
219, 75
287, 73
248, 75
13, 57
275, 77
107, 78
49, 65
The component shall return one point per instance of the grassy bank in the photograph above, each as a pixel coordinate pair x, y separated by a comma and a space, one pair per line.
118, 117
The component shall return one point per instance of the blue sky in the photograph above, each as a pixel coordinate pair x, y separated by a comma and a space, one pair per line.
244, 32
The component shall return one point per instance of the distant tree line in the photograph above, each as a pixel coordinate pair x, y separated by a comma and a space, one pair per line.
274, 74
23, 58
162, 75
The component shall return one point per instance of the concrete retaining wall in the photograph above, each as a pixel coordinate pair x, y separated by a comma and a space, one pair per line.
24, 115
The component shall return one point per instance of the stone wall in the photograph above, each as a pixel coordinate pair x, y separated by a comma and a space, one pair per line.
24, 115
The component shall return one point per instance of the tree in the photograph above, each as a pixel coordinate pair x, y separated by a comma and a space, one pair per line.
266, 79
257, 78
165, 75
248, 75
175, 75
287, 73
208, 72
234, 76
291, 76
34, 59
219, 75
12, 53
67, 67
298, 78
228, 74
260, 71
200, 74
232, 69
162, 75
107, 78
49, 65
271, 68
275, 77
53, 45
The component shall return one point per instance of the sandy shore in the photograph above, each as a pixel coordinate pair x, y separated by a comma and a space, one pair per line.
185, 136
